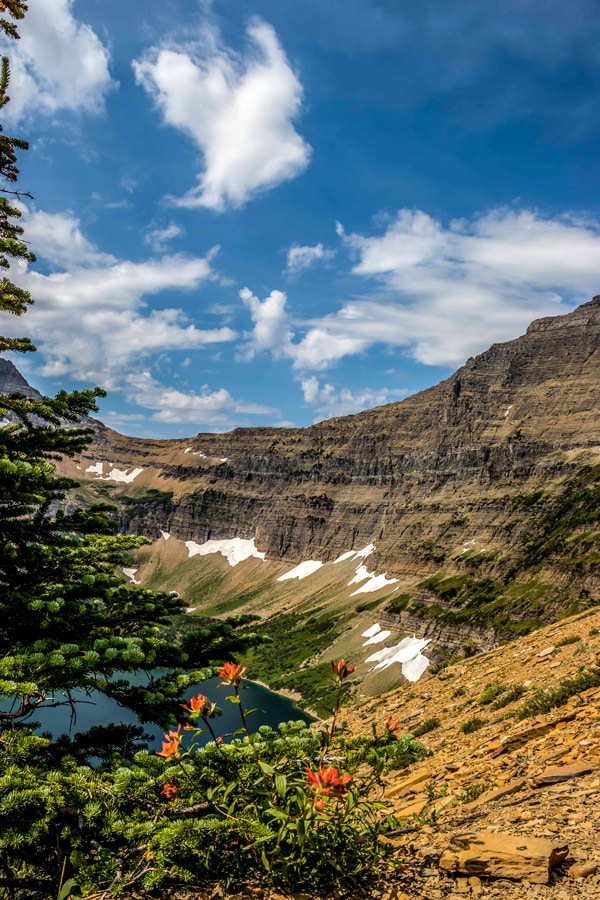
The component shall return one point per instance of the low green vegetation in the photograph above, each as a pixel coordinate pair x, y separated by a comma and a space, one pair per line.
490, 693
510, 695
474, 791
426, 726
545, 700
397, 604
292, 640
471, 725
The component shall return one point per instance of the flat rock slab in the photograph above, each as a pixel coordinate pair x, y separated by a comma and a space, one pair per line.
511, 787
503, 856
556, 774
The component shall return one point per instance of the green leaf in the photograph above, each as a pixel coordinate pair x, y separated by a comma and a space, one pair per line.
266, 768
231, 698
281, 785
69, 889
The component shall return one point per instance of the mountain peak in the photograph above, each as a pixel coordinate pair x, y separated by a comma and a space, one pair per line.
12, 382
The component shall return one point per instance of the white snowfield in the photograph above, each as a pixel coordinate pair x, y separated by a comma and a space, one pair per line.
165, 535
195, 453
377, 638
355, 554
407, 653
371, 631
235, 550
373, 583
130, 573
114, 474
302, 570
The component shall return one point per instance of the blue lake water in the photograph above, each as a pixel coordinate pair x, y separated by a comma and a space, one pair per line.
96, 709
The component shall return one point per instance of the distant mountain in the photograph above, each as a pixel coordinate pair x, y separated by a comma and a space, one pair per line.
12, 382
481, 494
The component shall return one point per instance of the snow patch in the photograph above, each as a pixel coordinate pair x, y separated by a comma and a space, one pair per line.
408, 653
375, 583
302, 570
195, 452
355, 554
165, 535
361, 575
235, 550
114, 474
130, 573
508, 409
377, 638
372, 630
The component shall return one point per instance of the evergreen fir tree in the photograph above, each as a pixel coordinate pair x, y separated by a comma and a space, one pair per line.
67, 620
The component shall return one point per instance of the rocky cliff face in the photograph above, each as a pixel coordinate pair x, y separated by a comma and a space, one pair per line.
469, 490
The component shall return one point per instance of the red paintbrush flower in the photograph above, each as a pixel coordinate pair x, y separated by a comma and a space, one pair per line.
342, 669
391, 726
327, 782
200, 707
170, 746
232, 673
169, 790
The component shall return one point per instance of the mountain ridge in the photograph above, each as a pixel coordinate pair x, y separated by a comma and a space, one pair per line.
481, 494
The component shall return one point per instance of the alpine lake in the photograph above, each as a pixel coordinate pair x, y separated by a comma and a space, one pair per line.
94, 708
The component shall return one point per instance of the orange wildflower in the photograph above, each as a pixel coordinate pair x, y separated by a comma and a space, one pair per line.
391, 726
170, 746
169, 790
200, 707
342, 669
327, 782
232, 673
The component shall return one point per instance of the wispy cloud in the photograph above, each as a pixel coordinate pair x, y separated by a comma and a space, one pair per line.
58, 64
238, 109
214, 410
303, 257
329, 402
158, 238
441, 293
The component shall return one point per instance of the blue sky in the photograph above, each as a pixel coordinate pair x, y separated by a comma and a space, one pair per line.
274, 212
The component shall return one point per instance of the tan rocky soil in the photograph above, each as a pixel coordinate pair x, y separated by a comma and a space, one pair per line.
541, 775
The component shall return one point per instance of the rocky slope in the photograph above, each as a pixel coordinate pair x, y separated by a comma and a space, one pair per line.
515, 742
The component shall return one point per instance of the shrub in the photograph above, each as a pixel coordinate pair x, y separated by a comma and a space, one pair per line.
490, 693
471, 725
292, 808
426, 726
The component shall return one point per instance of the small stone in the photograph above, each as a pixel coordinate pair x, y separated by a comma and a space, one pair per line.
583, 870
476, 884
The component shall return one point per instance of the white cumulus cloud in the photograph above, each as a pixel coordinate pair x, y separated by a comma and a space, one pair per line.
238, 108
58, 64
271, 325
90, 321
